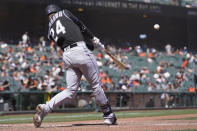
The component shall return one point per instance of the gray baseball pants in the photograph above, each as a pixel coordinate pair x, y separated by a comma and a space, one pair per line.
79, 61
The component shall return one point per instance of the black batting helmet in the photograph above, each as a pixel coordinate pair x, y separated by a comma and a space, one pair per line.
52, 9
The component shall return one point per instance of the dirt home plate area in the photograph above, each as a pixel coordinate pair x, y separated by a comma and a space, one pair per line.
175, 122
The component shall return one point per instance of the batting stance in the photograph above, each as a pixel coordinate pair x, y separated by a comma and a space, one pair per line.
68, 31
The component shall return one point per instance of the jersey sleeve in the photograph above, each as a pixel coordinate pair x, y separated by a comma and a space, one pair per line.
81, 25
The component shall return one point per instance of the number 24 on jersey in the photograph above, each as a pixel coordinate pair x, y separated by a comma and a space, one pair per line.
59, 29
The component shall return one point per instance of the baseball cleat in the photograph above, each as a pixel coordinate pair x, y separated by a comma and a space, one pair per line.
110, 119
39, 116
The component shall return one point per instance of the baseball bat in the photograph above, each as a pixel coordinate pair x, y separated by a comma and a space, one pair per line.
121, 65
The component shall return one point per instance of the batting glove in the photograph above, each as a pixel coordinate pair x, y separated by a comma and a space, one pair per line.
95, 40
101, 46
98, 44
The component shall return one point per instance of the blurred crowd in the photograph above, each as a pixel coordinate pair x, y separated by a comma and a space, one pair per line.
27, 67
39, 67
154, 73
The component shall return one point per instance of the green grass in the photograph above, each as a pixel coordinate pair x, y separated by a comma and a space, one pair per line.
63, 117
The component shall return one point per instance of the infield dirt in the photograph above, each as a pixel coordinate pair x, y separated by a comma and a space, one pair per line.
173, 122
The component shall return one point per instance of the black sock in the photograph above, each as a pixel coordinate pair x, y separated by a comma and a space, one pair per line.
106, 109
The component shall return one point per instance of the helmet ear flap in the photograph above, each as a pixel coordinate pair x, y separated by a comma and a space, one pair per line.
52, 9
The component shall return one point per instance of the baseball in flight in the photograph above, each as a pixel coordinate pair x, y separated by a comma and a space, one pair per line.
156, 26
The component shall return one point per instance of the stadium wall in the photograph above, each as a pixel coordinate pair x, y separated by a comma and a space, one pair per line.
113, 22
27, 101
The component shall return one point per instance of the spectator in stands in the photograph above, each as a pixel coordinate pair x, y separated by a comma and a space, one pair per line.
50, 80
33, 69
100, 55
185, 63
151, 87
25, 64
25, 39
143, 74
43, 58
179, 79
136, 79
185, 50
168, 49
42, 85
7, 98
56, 70
33, 84
138, 50
150, 102
99, 63
151, 53
122, 98
42, 41
40, 47
125, 83
106, 81
4, 86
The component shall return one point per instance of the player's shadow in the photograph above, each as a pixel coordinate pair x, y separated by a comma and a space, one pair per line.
75, 125
85, 124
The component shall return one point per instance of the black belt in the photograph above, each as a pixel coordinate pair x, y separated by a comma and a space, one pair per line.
72, 45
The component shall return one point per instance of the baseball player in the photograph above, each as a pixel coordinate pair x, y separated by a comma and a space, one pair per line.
67, 31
